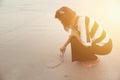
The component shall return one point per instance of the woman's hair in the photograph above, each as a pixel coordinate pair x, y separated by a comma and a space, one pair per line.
65, 15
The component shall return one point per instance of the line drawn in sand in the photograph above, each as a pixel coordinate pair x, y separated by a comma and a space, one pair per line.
55, 63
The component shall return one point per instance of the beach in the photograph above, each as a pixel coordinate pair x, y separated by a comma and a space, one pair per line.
30, 39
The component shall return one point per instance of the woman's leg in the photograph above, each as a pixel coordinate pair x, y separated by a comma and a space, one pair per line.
80, 52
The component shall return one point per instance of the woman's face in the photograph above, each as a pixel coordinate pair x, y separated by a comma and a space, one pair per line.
65, 15
65, 26
67, 29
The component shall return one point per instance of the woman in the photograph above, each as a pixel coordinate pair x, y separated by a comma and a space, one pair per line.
87, 38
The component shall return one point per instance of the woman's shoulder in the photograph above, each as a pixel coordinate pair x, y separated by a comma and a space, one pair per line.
81, 19
73, 34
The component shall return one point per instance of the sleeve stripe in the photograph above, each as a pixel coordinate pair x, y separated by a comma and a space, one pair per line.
98, 33
94, 29
105, 40
87, 28
91, 23
103, 35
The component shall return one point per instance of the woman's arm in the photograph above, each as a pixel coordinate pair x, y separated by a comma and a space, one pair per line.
68, 40
63, 48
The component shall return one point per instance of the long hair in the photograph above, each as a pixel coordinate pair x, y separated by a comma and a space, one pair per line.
66, 16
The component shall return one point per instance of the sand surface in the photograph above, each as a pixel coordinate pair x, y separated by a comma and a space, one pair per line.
30, 39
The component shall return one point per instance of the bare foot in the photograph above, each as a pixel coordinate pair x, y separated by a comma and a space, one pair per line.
90, 63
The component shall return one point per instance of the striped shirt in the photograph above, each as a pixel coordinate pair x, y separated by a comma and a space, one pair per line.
93, 31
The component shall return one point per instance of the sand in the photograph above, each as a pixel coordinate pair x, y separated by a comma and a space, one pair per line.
30, 39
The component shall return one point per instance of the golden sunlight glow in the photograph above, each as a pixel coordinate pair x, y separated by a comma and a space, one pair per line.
114, 11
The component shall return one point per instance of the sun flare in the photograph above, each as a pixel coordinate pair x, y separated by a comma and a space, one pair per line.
114, 11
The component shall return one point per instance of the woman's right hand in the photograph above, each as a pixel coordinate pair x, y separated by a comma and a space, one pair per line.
63, 49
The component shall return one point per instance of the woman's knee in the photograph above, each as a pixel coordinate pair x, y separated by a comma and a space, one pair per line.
103, 51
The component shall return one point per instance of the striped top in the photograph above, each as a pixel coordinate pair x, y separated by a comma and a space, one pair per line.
91, 32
